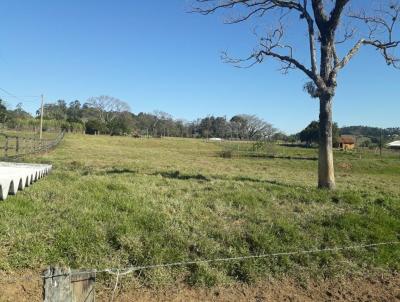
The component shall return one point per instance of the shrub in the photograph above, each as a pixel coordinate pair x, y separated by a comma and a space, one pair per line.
227, 154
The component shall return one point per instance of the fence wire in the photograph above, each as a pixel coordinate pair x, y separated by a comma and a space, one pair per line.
121, 272
15, 146
125, 271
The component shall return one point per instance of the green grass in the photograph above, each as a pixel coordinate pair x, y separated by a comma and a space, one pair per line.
119, 201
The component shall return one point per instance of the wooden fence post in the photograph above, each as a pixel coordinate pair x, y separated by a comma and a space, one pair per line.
6, 148
17, 145
82, 284
57, 285
23, 145
64, 285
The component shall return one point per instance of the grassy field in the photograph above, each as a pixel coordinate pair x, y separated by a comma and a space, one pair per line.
119, 201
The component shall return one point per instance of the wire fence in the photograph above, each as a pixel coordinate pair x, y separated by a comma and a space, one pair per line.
118, 273
14, 146
126, 271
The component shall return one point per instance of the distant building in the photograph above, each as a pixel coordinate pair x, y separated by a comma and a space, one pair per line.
394, 145
347, 142
215, 139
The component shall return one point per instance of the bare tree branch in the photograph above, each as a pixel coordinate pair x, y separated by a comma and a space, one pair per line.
319, 13
107, 107
336, 13
382, 24
313, 12
259, 8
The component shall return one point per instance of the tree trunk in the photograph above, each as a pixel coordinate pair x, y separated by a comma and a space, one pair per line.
326, 174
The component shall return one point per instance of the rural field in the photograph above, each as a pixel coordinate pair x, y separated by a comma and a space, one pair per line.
115, 202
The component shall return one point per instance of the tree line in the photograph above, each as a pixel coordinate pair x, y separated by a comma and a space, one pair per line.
109, 115
365, 136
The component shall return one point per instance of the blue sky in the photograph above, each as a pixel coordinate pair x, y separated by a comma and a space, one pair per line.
156, 56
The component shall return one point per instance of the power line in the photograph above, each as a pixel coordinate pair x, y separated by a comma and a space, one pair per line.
10, 94
18, 97
7, 100
41, 107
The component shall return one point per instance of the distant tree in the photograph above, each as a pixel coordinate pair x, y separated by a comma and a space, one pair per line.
280, 136
20, 113
377, 135
365, 142
310, 134
95, 127
17, 118
74, 112
205, 126
335, 36
121, 125
145, 122
106, 107
3, 112
239, 126
253, 127
165, 124
193, 129
293, 138
181, 128
55, 111
220, 127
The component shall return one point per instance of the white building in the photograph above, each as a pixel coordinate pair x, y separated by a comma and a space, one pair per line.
395, 144
215, 139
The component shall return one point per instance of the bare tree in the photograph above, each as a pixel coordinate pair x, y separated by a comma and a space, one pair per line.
256, 128
335, 33
107, 107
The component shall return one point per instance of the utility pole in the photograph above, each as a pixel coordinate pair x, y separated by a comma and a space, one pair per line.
380, 143
41, 118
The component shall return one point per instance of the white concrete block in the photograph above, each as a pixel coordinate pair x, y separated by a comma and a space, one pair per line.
17, 176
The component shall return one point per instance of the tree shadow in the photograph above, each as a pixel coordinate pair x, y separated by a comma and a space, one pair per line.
121, 171
177, 175
280, 157
265, 181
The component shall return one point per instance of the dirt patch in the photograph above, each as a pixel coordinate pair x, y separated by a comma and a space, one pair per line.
372, 288
350, 289
21, 286
345, 166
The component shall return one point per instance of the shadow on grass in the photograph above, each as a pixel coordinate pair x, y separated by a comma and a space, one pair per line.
251, 154
121, 171
271, 182
178, 175
281, 157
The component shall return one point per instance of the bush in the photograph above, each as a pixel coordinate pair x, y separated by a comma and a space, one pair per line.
227, 154
95, 126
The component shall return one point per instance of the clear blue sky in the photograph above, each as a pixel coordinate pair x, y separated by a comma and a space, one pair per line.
156, 56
